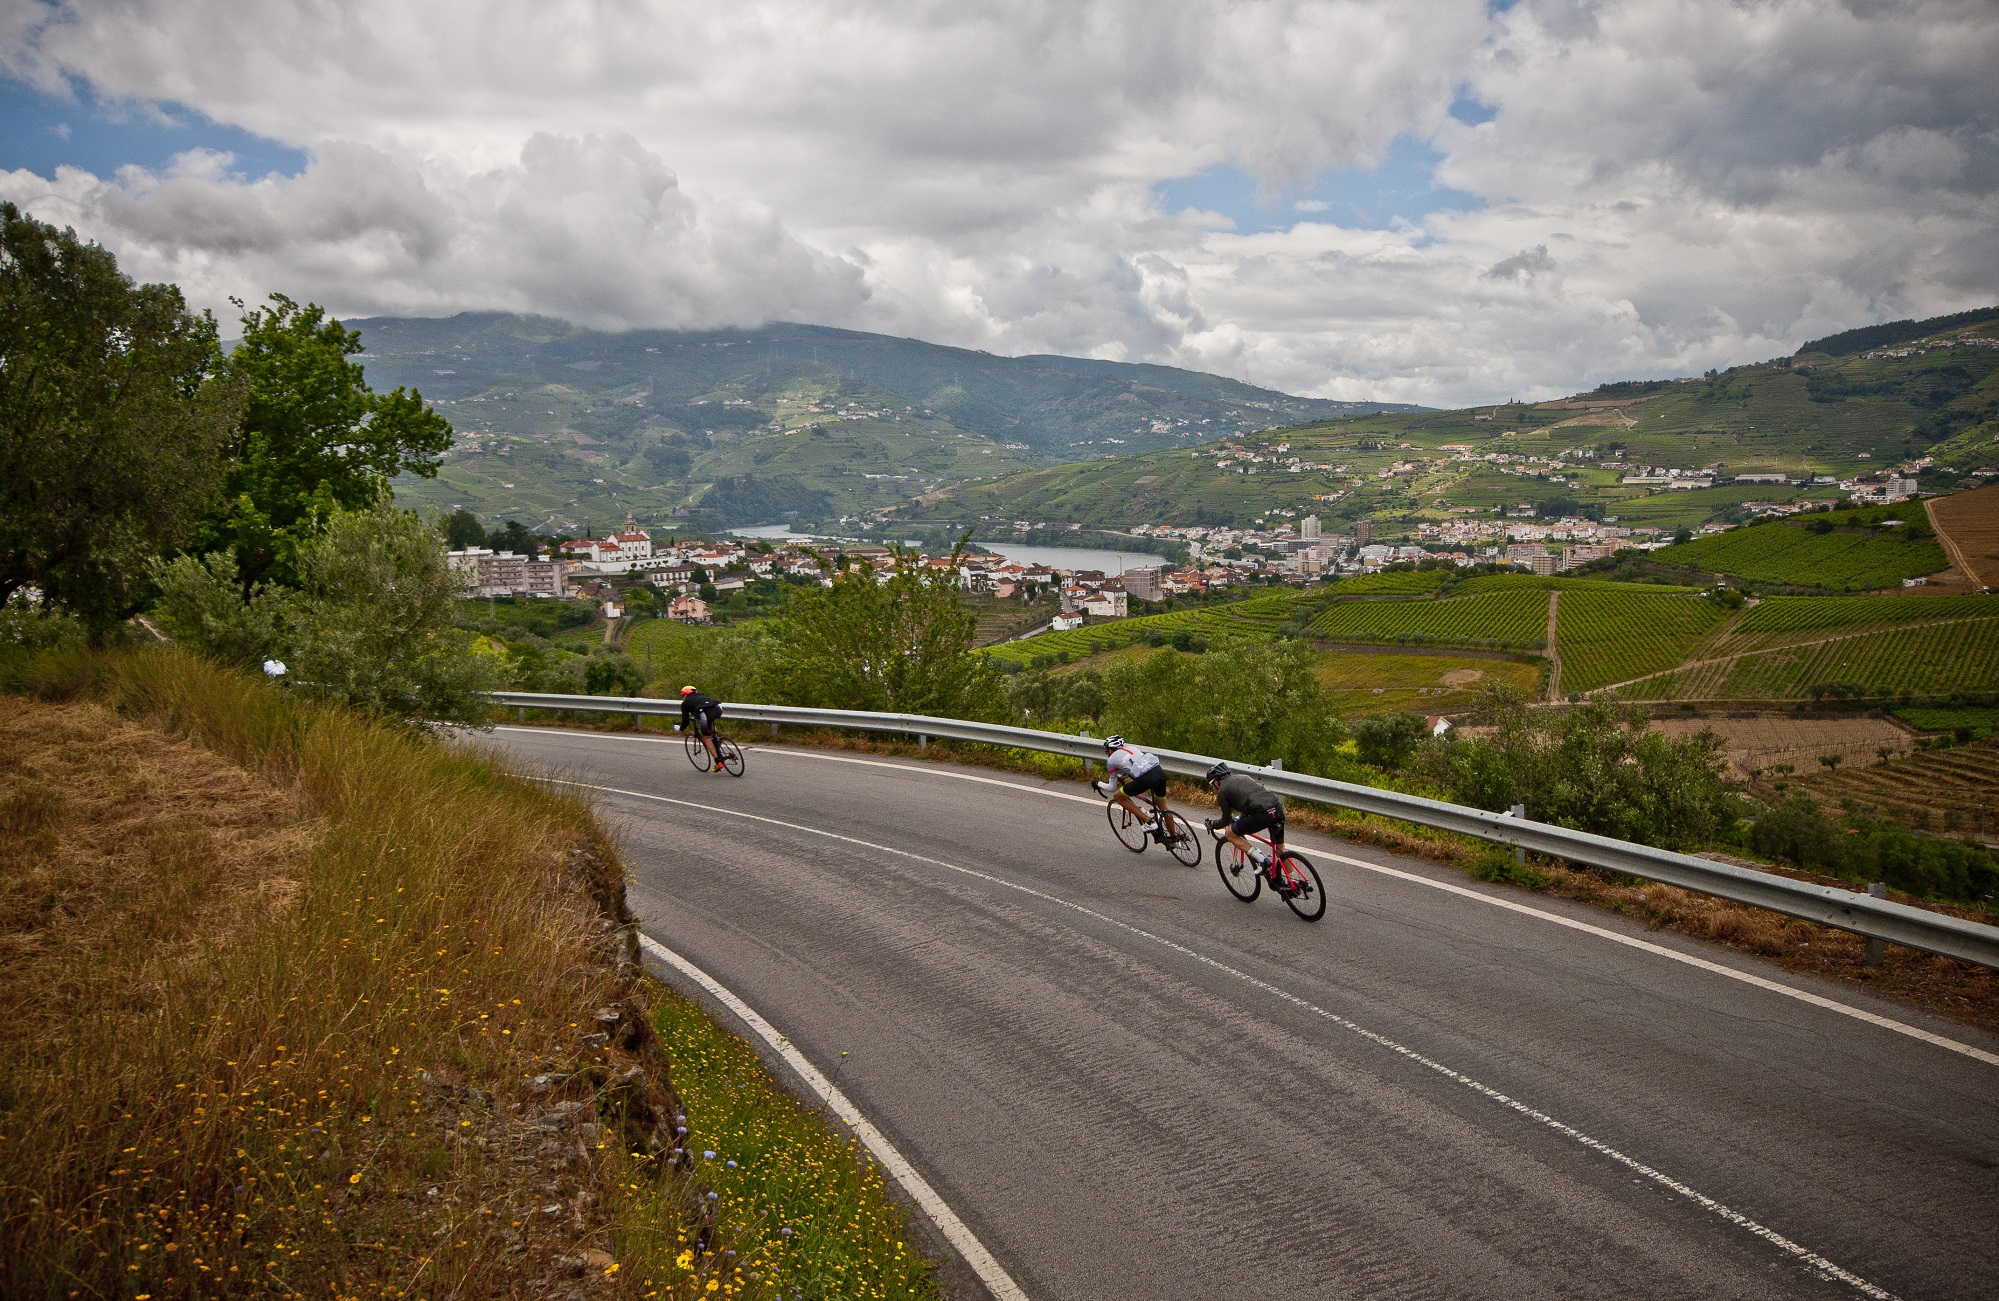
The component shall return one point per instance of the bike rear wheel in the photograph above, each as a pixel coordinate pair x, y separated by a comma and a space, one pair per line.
1180, 841
732, 758
1239, 874
1126, 827
697, 753
1306, 893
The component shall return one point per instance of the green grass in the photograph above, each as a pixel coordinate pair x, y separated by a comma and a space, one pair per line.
1509, 620
1612, 636
1786, 552
801, 1209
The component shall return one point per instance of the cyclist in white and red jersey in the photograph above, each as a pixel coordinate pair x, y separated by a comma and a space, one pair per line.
1135, 772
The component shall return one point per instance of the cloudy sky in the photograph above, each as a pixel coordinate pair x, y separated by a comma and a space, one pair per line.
1439, 201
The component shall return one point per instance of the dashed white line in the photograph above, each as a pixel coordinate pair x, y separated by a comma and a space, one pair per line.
1819, 1264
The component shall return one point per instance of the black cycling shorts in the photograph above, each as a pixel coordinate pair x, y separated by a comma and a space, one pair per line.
1252, 820
704, 722
1150, 782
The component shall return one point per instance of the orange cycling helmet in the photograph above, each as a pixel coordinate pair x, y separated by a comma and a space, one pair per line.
687, 691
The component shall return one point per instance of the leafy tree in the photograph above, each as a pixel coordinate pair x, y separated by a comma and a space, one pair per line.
514, 536
901, 644
1038, 698
1388, 741
371, 623
1251, 701
111, 418
462, 529
314, 437
612, 675
1597, 768
205, 606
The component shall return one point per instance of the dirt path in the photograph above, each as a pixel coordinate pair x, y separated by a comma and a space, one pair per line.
1554, 648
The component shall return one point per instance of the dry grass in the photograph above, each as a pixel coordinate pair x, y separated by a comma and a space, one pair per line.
302, 1005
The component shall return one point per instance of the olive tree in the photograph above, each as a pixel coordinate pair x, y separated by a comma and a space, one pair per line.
114, 419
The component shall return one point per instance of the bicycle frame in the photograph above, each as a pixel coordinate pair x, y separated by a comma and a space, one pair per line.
1279, 862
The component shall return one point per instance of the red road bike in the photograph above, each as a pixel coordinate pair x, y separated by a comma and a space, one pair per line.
1291, 877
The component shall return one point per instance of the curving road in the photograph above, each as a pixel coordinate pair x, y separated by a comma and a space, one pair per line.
1130, 1085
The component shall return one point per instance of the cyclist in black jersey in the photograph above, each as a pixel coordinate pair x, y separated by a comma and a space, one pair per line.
1246, 807
700, 712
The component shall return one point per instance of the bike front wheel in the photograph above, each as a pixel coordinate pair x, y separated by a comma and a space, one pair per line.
732, 758
1238, 873
1126, 827
1180, 840
1304, 893
697, 753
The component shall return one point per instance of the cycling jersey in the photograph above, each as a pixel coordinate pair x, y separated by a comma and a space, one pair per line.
699, 710
1241, 793
1130, 761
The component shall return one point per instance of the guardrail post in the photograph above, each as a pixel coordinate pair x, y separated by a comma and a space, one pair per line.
1877, 949
1519, 852
922, 743
773, 730
521, 714
1278, 764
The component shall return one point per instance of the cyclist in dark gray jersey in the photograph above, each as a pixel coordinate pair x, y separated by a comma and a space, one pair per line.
1246, 807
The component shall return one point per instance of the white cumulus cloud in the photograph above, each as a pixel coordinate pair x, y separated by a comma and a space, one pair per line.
1658, 185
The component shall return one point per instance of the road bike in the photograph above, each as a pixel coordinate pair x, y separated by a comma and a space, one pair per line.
1169, 829
1292, 878
697, 754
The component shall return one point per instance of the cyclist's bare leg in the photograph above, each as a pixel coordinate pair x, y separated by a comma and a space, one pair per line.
714, 750
1241, 842
1124, 801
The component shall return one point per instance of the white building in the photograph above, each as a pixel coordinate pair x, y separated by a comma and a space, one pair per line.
489, 573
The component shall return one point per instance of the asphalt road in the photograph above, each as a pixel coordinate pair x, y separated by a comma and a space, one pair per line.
1131, 1085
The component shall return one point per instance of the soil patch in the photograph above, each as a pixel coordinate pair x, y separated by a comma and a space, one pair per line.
1765, 743
1967, 523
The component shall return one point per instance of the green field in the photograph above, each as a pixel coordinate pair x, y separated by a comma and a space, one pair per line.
1926, 660
1790, 553
1512, 620
1612, 636
1380, 682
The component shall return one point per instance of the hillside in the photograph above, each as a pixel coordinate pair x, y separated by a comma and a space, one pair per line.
1810, 415
562, 426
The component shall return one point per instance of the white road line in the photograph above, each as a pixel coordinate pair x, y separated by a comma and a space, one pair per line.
1819, 1264
1416, 878
996, 1279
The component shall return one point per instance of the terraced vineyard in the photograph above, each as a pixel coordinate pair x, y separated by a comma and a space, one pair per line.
1617, 634
1259, 616
1941, 790
1846, 559
1552, 583
1512, 620
1929, 659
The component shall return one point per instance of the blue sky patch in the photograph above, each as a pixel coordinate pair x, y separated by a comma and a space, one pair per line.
43, 131
1403, 188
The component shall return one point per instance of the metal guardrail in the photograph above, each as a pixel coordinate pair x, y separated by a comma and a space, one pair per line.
1848, 910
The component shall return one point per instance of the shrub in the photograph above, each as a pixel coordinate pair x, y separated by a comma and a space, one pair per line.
1252, 701
1598, 768
1388, 741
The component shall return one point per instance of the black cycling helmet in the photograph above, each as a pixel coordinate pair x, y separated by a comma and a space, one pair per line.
1217, 773
1112, 742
